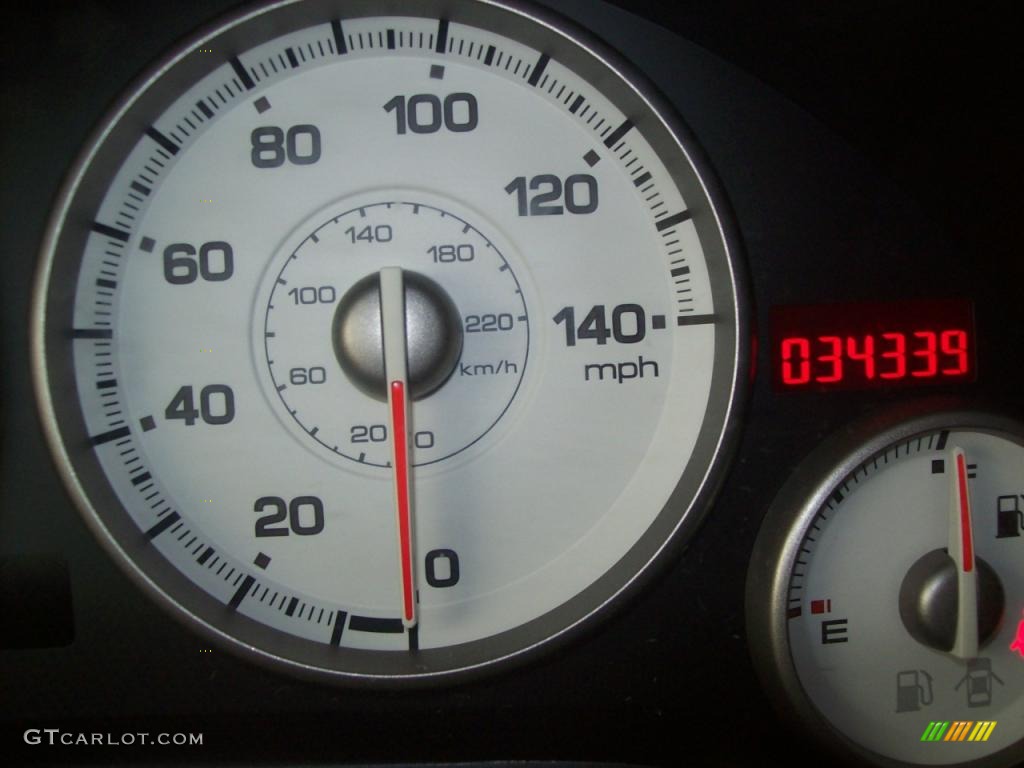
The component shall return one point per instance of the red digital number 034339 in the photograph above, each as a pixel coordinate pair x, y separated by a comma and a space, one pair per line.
871, 357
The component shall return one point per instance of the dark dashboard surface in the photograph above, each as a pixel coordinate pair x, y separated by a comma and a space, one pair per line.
869, 153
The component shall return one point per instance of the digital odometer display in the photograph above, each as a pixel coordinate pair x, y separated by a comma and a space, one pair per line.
876, 344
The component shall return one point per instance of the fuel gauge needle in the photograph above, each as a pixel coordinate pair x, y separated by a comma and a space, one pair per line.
961, 549
392, 310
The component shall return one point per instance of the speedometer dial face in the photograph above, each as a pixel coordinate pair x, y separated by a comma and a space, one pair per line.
389, 341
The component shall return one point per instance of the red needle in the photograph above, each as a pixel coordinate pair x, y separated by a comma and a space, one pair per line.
967, 561
401, 464
961, 550
392, 313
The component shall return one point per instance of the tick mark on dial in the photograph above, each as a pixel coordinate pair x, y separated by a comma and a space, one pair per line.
670, 221
107, 437
684, 320
618, 133
92, 333
373, 624
538, 69
105, 229
442, 36
163, 525
169, 146
242, 592
243, 75
339, 37
339, 627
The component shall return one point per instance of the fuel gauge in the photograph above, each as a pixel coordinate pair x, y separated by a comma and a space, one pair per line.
885, 601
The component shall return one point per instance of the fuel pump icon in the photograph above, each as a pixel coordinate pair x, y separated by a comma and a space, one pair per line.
913, 690
1009, 516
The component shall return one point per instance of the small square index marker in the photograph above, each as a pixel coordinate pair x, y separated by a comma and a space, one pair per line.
261, 104
436, 72
261, 561
658, 322
147, 423
592, 158
147, 244
938, 466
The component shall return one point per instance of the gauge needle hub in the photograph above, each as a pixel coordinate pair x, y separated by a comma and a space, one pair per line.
961, 549
392, 311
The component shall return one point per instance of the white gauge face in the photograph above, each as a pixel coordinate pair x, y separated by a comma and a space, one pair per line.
214, 288
912, 654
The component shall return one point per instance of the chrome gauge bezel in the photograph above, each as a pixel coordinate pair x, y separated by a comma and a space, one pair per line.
80, 470
785, 527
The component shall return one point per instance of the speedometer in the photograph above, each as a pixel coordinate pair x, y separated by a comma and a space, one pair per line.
390, 341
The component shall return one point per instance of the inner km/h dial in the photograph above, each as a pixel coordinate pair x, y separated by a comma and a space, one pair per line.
466, 324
